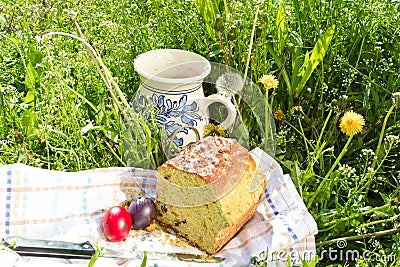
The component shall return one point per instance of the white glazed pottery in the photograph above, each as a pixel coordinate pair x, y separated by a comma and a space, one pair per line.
171, 81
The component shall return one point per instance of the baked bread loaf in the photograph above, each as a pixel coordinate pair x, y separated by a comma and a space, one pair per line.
208, 192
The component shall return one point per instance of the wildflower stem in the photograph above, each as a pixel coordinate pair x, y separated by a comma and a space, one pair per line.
221, 40
355, 215
391, 219
328, 174
378, 148
332, 129
298, 131
368, 183
303, 135
323, 129
108, 79
266, 134
115, 154
356, 237
318, 151
226, 8
282, 68
251, 42
93, 56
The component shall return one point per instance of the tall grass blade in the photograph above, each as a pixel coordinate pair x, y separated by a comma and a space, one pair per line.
280, 27
208, 10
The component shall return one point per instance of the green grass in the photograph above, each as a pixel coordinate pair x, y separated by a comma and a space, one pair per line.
57, 113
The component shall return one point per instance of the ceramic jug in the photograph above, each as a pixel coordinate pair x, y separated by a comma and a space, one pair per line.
171, 82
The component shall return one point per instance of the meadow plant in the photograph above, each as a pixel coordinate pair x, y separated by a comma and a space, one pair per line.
335, 101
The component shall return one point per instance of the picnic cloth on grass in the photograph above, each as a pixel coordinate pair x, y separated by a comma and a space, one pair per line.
57, 205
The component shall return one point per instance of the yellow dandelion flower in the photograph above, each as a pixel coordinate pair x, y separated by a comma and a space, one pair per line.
351, 123
296, 109
214, 130
269, 81
278, 114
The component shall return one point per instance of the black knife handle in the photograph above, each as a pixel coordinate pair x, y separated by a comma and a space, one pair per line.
49, 248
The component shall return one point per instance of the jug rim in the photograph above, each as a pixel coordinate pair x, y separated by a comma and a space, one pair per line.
186, 57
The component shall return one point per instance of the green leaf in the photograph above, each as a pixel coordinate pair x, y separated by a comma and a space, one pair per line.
144, 261
111, 134
280, 28
29, 121
208, 9
297, 59
31, 83
95, 256
278, 61
311, 263
29, 97
317, 55
297, 175
303, 68
367, 92
35, 56
289, 261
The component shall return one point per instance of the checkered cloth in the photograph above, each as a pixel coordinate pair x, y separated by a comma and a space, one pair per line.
47, 204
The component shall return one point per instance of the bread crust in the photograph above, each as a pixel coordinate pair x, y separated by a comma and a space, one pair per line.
227, 233
210, 164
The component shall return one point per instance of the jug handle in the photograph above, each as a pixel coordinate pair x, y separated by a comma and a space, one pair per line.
204, 102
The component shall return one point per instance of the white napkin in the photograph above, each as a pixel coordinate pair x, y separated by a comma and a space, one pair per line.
46, 204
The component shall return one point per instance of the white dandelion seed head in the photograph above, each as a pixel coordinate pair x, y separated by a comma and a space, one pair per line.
396, 98
230, 83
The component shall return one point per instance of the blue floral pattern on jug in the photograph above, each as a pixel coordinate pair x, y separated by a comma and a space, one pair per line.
167, 109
